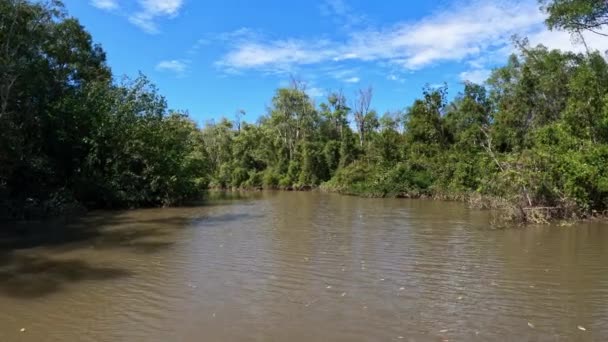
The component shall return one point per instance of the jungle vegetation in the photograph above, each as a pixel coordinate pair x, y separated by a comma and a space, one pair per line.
532, 138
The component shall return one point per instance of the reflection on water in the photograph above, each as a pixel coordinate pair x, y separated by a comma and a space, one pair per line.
304, 267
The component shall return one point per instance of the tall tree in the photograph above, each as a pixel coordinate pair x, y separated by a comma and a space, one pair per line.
361, 110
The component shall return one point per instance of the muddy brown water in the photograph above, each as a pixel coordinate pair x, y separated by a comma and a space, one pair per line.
305, 267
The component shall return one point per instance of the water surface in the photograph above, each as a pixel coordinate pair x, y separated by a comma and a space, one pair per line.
305, 267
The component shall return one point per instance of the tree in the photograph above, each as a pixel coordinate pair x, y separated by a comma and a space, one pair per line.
237, 119
386, 145
71, 135
337, 112
424, 118
534, 135
468, 115
361, 111
47, 63
293, 117
576, 16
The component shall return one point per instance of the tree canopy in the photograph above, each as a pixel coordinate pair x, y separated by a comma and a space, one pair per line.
576, 15
71, 134
534, 134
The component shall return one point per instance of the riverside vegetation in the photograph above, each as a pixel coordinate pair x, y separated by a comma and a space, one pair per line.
533, 139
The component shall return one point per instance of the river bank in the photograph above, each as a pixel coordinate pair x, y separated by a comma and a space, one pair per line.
504, 212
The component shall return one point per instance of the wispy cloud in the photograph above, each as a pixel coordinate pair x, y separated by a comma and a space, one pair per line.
396, 78
341, 13
342, 74
148, 13
178, 67
105, 4
352, 80
278, 56
564, 41
472, 32
152, 10
315, 92
478, 76
455, 34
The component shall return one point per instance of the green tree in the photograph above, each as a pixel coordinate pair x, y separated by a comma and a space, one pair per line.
576, 15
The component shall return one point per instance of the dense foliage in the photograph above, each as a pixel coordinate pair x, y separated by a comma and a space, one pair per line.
533, 138
534, 135
69, 134
577, 15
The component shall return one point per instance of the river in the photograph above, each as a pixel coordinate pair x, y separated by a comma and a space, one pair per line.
304, 266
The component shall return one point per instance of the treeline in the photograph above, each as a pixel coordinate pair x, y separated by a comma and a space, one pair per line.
532, 139
71, 135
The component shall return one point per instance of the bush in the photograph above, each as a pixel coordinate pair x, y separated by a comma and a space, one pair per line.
270, 179
239, 177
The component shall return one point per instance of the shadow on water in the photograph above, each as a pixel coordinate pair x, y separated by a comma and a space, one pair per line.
32, 259
142, 233
99, 230
108, 229
41, 258
36, 276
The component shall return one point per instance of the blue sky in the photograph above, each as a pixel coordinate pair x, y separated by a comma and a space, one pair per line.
213, 57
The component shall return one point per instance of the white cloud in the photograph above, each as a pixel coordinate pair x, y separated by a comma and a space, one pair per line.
178, 67
346, 56
478, 76
352, 80
564, 41
147, 15
341, 74
456, 34
474, 32
152, 10
315, 92
279, 55
396, 78
105, 4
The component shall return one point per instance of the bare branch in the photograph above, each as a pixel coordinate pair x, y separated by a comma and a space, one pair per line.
361, 109
296, 83
488, 147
